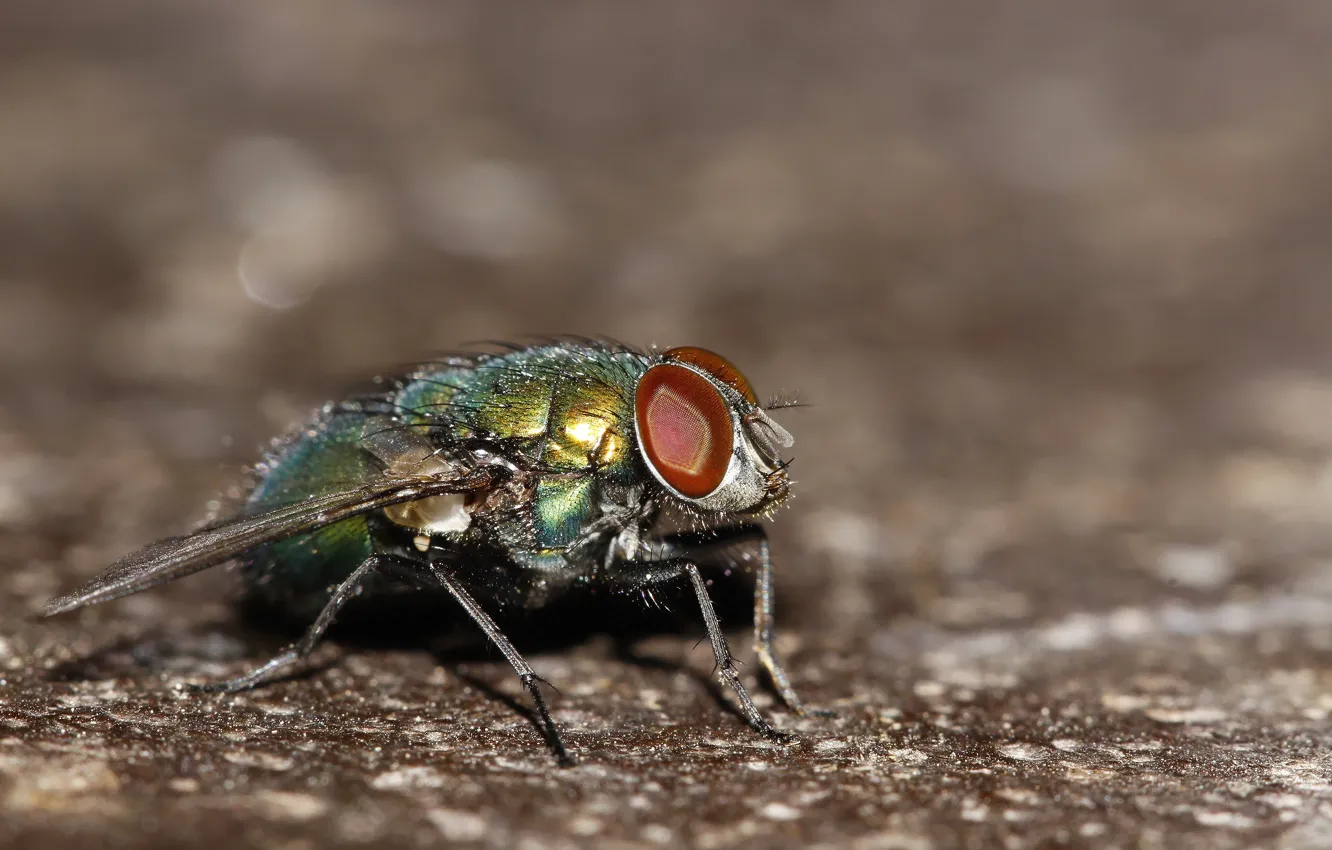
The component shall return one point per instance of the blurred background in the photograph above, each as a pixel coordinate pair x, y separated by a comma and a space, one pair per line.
1053, 280
1035, 271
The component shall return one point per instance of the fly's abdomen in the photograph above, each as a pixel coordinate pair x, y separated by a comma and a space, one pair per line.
323, 458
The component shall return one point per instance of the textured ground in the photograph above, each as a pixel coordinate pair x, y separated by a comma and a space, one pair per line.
1055, 285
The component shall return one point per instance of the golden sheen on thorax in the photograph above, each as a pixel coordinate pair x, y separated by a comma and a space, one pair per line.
593, 426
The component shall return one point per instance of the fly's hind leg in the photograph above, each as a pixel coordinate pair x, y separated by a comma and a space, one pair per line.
301, 650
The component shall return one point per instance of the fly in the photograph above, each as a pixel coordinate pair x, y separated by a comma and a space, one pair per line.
509, 481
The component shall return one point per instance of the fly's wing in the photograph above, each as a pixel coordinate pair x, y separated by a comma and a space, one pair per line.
176, 557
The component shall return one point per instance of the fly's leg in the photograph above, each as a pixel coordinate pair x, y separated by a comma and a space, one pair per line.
526, 674
638, 575
699, 544
300, 650
763, 625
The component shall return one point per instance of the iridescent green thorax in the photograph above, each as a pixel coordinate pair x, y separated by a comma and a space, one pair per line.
569, 407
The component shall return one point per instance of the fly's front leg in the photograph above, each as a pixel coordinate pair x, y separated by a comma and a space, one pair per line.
701, 544
640, 575
763, 625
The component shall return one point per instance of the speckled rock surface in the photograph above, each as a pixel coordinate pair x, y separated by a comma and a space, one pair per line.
1060, 555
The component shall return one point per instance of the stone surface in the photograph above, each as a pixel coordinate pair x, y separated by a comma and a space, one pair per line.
1054, 284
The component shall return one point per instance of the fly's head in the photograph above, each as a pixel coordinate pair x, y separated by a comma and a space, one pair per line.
704, 436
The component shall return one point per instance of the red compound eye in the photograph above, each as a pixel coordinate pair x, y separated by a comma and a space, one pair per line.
714, 364
685, 427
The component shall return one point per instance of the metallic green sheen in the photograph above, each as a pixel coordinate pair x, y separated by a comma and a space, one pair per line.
561, 505
323, 458
537, 394
564, 410
425, 397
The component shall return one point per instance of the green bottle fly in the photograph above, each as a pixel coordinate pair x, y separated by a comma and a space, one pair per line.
508, 481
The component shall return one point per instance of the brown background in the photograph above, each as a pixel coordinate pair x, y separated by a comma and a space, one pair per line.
1053, 279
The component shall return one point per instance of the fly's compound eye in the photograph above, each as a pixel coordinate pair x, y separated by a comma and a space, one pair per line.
684, 427
715, 365
769, 437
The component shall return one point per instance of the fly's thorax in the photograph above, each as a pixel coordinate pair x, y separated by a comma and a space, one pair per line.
591, 428
566, 407
557, 418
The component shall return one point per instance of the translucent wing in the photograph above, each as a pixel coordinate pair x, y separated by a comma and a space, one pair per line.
175, 557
